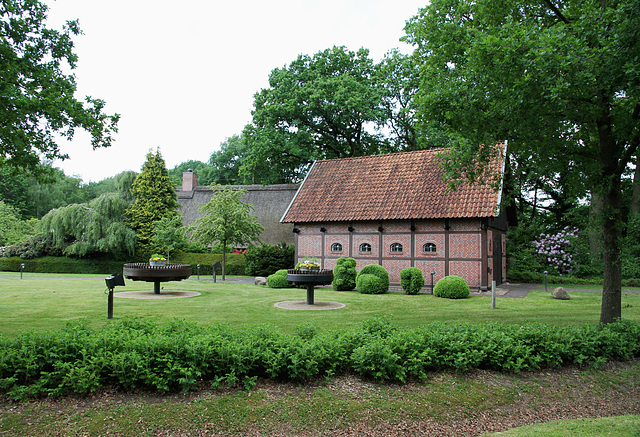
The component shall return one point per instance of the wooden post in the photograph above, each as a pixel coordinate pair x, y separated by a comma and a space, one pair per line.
493, 295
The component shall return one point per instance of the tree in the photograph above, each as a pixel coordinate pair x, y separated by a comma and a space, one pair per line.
401, 75
318, 107
227, 162
86, 229
37, 97
12, 228
169, 234
557, 79
226, 219
155, 198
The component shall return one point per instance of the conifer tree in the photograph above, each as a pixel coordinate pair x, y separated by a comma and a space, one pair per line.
155, 198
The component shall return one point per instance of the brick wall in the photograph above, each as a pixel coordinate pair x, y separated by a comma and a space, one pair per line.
463, 258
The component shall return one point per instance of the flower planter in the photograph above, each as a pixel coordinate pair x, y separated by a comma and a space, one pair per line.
157, 263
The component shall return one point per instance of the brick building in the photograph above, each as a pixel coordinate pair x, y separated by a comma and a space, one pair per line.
396, 211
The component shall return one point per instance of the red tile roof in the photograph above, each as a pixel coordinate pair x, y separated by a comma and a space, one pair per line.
388, 187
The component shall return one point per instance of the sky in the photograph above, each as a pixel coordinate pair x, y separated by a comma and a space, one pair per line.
182, 75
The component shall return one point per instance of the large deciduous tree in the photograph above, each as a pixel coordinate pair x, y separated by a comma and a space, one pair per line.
155, 198
37, 101
559, 79
227, 219
321, 106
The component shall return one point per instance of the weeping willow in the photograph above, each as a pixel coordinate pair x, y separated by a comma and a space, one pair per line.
84, 229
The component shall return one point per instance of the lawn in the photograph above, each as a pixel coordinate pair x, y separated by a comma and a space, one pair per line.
47, 301
43, 302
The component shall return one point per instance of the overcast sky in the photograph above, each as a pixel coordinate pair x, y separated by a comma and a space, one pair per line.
183, 74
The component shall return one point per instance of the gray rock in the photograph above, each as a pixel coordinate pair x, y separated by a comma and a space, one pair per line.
560, 293
260, 280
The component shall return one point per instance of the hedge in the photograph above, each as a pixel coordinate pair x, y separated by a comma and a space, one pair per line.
63, 264
372, 279
134, 354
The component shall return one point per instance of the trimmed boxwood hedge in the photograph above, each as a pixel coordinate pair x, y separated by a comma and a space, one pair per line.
279, 280
451, 287
372, 279
344, 274
411, 280
63, 264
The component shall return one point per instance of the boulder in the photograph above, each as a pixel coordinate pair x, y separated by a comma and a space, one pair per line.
560, 293
260, 280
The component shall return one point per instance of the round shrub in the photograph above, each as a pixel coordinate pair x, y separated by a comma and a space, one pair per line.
411, 280
372, 279
278, 280
451, 287
344, 274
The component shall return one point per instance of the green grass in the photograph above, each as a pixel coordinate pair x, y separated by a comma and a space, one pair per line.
621, 426
41, 302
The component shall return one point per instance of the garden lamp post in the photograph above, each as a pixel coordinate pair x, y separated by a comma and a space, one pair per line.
432, 274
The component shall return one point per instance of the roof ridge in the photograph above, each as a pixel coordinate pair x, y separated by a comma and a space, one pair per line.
386, 154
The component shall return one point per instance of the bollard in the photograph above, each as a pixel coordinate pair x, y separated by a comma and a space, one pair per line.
21, 269
545, 281
198, 272
493, 295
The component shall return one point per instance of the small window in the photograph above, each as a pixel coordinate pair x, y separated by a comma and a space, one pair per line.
365, 247
396, 248
429, 248
336, 247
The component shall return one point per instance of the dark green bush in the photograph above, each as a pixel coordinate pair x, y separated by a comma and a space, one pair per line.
235, 262
344, 274
266, 259
134, 354
451, 287
279, 280
62, 264
372, 279
411, 280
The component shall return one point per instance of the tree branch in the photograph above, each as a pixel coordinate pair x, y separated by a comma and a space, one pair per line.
556, 11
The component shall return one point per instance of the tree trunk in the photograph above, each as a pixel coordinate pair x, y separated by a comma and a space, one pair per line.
635, 199
611, 309
612, 222
595, 226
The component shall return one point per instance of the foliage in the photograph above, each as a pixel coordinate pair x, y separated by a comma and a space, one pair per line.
553, 79
61, 264
318, 107
411, 280
169, 234
451, 287
12, 229
556, 249
344, 274
279, 280
266, 259
86, 229
372, 279
155, 198
234, 262
137, 354
38, 96
226, 219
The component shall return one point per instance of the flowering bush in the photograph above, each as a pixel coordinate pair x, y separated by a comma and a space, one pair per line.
557, 250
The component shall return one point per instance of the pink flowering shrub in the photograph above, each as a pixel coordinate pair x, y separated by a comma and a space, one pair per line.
557, 249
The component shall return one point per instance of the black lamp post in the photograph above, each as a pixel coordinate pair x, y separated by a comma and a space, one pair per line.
432, 273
